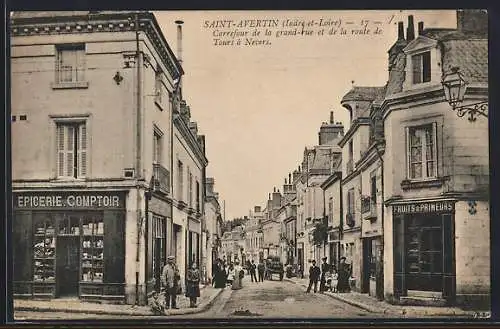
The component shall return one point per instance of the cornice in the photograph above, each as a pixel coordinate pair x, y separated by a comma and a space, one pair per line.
188, 136
94, 23
337, 175
355, 124
370, 156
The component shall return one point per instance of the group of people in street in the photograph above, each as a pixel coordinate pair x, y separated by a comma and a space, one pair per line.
171, 282
225, 274
253, 269
329, 277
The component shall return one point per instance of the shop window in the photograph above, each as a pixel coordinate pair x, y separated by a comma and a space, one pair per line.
422, 151
70, 65
44, 248
92, 248
421, 65
71, 139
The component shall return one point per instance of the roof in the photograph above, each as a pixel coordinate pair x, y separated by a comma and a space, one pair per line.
324, 156
442, 34
362, 94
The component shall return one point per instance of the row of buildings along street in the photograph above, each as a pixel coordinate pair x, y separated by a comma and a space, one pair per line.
108, 168
403, 194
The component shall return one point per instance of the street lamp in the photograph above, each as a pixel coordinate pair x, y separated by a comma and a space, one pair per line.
454, 86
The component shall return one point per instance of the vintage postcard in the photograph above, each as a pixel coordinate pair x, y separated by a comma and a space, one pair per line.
328, 164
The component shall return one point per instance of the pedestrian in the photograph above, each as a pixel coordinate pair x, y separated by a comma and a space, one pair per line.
324, 269
335, 280
193, 284
253, 269
261, 268
248, 266
230, 274
239, 273
171, 282
344, 274
314, 274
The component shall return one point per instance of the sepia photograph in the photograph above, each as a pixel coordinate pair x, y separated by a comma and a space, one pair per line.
249, 165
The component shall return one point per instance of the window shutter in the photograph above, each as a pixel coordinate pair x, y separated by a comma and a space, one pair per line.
434, 146
79, 65
61, 150
426, 66
70, 165
82, 150
408, 152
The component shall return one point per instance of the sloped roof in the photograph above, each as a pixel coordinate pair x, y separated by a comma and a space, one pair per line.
324, 156
362, 94
442, 34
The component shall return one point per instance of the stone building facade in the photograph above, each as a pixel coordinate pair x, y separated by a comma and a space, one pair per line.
107, 190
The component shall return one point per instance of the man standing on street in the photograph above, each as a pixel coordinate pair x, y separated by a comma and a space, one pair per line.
170, 279
253, 267
324, 269
314, 273
261, 268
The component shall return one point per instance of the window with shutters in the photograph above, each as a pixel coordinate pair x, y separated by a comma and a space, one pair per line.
190, 193
180, 181
71, 139
70, 64
421, 66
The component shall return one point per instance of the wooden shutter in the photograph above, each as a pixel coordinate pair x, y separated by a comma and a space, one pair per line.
82, 150
79, 73
448, 257
70, 149
61, 150
399, 256
426, 66
408, 153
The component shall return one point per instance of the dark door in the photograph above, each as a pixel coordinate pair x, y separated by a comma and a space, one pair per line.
157, 262
424, 253
68, 265
367, 254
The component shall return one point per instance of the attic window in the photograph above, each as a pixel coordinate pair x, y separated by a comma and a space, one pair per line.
421, 65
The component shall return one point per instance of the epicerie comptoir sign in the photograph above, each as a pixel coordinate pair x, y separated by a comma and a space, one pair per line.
103, 200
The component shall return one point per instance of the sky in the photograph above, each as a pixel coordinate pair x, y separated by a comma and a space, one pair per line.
259, 106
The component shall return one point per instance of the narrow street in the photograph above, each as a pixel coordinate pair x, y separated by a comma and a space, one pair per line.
270, 299
281, 299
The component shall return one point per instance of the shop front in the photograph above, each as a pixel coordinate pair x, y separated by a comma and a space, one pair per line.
424, 249
69, 243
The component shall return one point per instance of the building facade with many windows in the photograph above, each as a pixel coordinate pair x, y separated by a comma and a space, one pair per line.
93, 198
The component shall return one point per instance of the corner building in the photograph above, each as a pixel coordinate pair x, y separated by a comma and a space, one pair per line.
92, 118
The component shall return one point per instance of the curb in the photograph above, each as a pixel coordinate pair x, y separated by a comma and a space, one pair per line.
202, 308
400, 312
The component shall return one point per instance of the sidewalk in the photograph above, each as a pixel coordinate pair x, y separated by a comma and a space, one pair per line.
206, 299
373, 305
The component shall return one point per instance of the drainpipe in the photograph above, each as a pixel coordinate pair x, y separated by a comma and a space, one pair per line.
138, 151
382, 202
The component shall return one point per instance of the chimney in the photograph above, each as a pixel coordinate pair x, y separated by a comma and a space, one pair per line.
274, 189
256, 209
331, 117
329, 133
289, 178
179, 40
269, 196
420, 28
401, 31
209, 185
410, 30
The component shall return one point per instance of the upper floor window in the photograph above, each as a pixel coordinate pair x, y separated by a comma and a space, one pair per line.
71, 139
330, 211
421, 151
158, 86
197, 196
190, 192
421, 66
180, 180
350, 201
70, 65
157, 147
373, 187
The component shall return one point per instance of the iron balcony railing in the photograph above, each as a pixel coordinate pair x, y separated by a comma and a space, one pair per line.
161, 178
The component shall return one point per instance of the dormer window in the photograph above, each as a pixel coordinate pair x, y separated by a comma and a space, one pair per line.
421, 65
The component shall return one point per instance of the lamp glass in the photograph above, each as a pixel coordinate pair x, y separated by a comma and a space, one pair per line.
454, 87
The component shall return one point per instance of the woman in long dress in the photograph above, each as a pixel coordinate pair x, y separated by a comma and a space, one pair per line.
238, 276
220, 275
193, 285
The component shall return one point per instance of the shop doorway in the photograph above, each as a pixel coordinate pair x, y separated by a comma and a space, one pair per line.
367, 261
424, 250
67, 265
